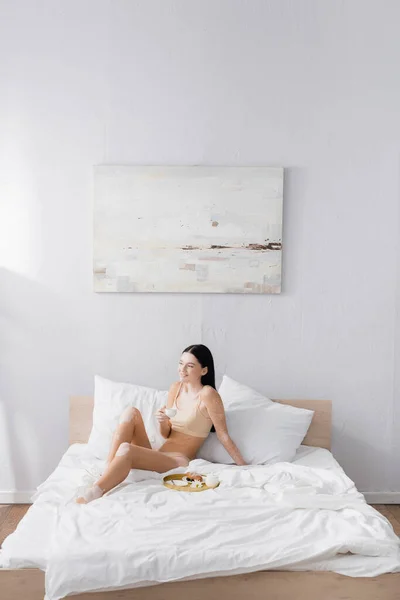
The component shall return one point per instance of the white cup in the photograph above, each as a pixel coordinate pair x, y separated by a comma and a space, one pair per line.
170, 412
211, 480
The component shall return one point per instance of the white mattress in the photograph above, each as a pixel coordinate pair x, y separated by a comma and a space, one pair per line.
304, 515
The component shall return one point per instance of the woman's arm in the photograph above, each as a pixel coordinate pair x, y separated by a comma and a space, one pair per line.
215, 408
163, 421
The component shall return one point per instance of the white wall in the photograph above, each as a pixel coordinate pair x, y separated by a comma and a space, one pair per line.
311, 86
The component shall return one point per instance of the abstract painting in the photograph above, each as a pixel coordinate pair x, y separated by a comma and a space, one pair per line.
188, 229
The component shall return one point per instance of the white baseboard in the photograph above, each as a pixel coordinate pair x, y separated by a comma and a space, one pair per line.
14, 497
382, 497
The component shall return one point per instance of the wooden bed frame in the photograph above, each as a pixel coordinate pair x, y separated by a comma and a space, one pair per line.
28, 584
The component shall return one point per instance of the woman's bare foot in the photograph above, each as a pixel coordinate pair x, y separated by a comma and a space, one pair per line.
81, 500
93, 493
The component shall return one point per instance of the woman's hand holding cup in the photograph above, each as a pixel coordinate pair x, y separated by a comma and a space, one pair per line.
161, 416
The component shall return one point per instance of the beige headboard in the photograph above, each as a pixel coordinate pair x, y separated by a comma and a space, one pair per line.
319, 433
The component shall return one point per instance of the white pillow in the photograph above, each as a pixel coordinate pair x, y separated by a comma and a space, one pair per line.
266, 432
235, 394
110, 400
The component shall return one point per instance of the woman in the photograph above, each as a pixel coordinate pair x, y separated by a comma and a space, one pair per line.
199, 408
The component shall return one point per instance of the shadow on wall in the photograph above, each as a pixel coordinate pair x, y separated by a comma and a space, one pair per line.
35, 368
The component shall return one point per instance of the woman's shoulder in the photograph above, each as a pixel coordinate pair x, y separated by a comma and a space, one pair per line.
174, 386
208, 392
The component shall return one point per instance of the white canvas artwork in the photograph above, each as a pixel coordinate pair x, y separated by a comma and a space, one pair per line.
188, 229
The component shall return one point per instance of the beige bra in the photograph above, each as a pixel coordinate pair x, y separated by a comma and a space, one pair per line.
191, 420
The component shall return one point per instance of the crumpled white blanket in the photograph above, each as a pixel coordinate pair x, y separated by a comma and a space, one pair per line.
300, 487
306, 515
284, 516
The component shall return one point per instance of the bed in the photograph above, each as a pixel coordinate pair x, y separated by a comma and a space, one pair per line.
29, 583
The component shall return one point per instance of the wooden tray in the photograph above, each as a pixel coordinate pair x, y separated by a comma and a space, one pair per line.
185, 488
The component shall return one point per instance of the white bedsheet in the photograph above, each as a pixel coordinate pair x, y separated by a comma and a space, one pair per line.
303, 515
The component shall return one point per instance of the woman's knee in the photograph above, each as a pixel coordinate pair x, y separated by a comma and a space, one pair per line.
182, 461
129, 415
125, 449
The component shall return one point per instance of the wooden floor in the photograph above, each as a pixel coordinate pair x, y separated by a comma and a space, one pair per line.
11, 514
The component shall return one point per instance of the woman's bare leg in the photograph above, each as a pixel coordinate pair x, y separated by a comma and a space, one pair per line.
135, 457
130, 429
130, 457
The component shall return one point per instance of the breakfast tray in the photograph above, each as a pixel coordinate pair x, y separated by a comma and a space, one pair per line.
167, 481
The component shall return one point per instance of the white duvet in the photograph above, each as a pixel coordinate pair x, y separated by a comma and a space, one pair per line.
305, 515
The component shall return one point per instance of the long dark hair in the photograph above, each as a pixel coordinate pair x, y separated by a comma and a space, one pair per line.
205, 358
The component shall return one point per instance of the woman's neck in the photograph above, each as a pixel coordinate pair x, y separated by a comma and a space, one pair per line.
192, 388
